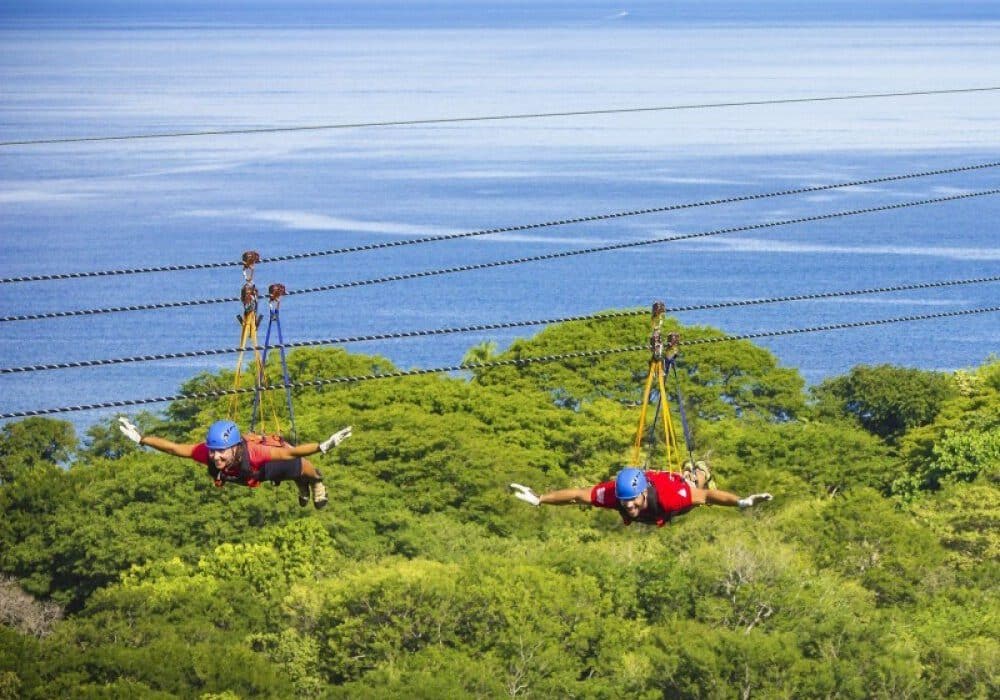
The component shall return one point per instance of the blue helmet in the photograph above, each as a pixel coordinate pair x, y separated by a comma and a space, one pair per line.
631, 483
222, 435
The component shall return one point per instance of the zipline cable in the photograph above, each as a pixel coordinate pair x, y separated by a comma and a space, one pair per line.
478, 328
489, 118
504, 229
583, 354
511, 261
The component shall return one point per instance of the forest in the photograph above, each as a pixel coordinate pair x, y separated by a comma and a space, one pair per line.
874, 572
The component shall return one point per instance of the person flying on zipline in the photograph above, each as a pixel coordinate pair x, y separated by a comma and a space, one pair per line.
248, 460
652, 497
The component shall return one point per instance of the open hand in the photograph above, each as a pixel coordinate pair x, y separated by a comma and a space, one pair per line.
525, 494
335, 439
129, 430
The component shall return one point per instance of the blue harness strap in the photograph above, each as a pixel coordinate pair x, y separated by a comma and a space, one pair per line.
274, 320
652, 428
669, 364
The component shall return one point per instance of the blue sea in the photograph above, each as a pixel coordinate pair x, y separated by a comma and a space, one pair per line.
79, 70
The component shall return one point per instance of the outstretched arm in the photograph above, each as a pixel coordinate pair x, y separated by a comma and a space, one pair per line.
561, 497
303, 450
164, 445
717, 497
565, 497
161, 444
311, 448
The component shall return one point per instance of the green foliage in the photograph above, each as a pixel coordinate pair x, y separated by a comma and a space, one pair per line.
171, 624
717, 379
71, 533
186, 415
887, 401
966, 519
486, 351
963, 457
31, 442
296, 655
957, 639
18, 667
431, 673
962, 443
953, 457
105, 440
378, 616
29, 506
827, 456
863, 537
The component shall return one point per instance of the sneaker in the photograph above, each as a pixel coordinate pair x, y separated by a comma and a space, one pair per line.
303, 493
319, 495
709, 479
699, 475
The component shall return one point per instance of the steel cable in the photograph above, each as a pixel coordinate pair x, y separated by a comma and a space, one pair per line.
503, 229
512, 261
477, 328
487, 118
583, 354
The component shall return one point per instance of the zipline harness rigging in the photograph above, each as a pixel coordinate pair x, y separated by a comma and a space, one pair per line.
250, 321
663, 359
274, 294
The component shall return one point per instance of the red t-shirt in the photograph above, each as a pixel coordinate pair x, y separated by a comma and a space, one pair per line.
672, 493
257, 453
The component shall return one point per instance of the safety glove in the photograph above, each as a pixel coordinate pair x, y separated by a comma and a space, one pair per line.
129, 430
335, 439
753, 500
525, 494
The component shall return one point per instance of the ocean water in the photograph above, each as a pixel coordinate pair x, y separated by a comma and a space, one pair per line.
148, 202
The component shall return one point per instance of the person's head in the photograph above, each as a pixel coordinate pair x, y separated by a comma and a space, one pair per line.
630, 488
223, 441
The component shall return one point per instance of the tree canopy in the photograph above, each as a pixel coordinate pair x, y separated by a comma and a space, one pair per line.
873, 573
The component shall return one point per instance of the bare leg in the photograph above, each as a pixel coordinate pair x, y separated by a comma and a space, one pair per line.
309, 472
714, 497
311, 476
